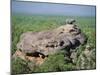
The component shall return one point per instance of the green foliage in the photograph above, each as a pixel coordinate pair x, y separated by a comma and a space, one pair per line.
19, 66
24, 23
54, 63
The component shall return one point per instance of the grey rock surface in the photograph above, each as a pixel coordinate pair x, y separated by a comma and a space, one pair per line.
49, 42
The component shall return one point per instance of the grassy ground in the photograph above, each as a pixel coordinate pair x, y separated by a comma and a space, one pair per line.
22, 23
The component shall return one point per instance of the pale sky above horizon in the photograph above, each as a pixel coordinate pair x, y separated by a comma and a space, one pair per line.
52, 9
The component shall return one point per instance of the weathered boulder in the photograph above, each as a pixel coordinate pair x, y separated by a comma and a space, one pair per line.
44, 43
70, 21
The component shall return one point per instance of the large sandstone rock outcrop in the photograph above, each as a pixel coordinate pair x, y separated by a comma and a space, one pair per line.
38, 45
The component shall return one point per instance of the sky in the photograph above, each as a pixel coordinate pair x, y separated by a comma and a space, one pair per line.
52, 9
